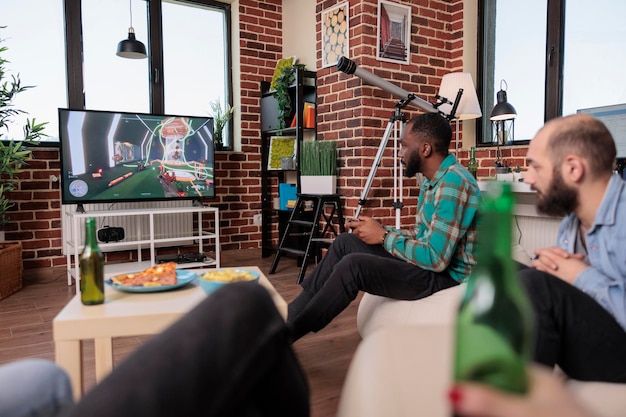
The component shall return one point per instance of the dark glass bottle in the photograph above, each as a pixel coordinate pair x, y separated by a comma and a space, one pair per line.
91, 263
472, 164
494, 328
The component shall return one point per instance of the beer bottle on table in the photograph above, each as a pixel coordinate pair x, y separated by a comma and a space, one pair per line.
494, 327
472, 164
91, 263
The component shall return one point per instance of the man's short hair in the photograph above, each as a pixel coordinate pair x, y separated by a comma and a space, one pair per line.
587, 137
435, 129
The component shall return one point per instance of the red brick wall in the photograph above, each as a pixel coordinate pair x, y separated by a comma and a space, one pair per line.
349, 111
36, 218
356, 114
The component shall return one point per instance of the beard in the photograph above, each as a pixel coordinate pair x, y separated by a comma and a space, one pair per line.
559, 199
414, 164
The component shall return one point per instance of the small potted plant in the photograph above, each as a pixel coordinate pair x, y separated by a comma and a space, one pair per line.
318, 167
220, 116
281, 87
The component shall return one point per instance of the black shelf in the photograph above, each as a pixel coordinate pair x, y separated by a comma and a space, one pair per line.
303, 89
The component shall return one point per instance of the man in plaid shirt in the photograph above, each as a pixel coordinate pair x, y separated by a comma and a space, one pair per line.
436, 254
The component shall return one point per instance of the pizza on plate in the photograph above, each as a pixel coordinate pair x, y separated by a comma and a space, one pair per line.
155, 276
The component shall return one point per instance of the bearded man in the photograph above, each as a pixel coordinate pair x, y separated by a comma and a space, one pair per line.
438, 253
578, 288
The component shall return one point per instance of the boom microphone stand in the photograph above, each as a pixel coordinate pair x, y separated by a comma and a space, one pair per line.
395, 125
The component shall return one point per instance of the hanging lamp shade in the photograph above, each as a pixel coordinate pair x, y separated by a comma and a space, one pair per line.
131, 47
503, 110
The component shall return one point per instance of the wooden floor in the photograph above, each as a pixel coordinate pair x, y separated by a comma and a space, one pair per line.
26, 328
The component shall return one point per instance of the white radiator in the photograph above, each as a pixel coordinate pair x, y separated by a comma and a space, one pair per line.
536, 232
135, 227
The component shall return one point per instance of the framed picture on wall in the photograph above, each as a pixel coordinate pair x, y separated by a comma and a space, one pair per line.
393, 40
282, 153
335, 34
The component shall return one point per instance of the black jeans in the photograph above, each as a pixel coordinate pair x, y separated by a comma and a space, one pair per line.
351, 266
230, 356
573, 331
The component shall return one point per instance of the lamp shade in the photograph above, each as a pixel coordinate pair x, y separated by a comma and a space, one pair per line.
131, 47
503, 110
468, 107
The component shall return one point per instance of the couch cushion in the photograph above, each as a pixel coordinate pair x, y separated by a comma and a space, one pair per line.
440, 308
376, 312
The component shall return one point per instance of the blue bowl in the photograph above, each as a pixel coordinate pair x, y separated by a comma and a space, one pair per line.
215, 279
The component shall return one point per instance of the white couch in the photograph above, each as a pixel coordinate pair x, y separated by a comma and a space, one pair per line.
407, 342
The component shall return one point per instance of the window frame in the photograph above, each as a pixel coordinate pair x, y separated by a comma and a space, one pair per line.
74, 59
553, 92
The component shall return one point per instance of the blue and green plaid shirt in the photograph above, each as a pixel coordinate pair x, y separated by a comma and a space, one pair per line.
445, 233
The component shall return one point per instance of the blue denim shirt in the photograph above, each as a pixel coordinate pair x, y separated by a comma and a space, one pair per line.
605, 278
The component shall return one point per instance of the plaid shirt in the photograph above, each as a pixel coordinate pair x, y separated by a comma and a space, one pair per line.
445, 233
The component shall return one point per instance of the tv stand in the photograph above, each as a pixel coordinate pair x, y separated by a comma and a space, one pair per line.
75, 236
80, 208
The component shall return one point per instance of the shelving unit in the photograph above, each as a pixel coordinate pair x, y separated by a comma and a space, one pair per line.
303, 90
74, 239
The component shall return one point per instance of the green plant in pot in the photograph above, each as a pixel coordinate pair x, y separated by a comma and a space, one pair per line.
281, 85
13, 153
221, 116
318, 167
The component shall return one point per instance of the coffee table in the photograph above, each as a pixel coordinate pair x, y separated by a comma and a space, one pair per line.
125, 314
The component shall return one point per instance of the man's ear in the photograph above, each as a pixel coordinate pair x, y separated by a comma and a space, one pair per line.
428, 149
573, 168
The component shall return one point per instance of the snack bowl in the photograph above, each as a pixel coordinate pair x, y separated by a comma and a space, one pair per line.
217, 278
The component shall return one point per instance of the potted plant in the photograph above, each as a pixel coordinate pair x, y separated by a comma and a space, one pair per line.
318, 167
281, 85
221, 116
13, 156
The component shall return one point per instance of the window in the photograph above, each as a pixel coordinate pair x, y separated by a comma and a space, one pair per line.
110, 82
557, 56
188, 65
35, 44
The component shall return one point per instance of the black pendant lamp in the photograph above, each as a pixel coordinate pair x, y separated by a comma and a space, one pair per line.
131, 47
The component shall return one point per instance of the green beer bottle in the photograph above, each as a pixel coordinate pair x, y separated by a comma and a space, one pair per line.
472, 164
91, 263
494, 328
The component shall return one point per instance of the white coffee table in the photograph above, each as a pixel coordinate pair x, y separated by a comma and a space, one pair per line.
125, 314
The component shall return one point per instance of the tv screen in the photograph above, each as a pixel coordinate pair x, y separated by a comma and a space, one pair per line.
115, 156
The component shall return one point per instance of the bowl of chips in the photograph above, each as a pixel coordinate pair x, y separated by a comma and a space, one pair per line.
217, 278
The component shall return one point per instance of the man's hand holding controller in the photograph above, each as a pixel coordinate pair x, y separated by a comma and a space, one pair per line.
367, 229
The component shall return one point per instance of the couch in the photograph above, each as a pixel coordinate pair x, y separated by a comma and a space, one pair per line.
402, 366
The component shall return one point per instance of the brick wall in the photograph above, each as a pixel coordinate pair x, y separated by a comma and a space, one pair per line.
356, 114
349, 111
36, 217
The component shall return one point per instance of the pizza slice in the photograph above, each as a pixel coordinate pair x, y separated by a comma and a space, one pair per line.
155, 276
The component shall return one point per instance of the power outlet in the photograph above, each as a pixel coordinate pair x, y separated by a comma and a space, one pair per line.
257, 219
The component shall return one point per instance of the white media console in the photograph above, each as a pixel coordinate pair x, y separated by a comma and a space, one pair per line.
137, 240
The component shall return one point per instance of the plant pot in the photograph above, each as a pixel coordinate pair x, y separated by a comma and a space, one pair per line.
11, 266
318, 185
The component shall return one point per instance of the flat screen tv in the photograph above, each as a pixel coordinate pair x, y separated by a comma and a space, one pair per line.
118, 157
